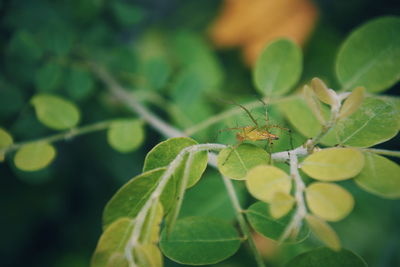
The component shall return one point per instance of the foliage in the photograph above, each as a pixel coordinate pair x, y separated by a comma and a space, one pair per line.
175, 207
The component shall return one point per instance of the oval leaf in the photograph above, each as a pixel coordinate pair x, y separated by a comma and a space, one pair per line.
327, 258
278, 68
165, 152
125, 135
5, 141
209, 198
235, 163
380, 176
200, 241
369, 56
55, 112
313, 104
322, 91
329, 201
333, 164
34, 156
281, 204
131, 197
374, 122
352, 103
264, 181
111, 246
324, 232
260, 219
301, 117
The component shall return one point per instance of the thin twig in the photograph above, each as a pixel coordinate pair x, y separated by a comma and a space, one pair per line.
227, 114
126, 98
242, 221
66, 135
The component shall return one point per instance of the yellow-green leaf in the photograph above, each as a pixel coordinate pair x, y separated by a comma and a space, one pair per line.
322, 91
5, 141
147, 255
329, 201
55, 112
324, 232
34, 156
281, 204
352, 102
333, 164
110, 248
235, 163
313, 104
264, 181
380, 176
125, 135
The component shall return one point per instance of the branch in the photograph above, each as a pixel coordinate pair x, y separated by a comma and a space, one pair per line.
242, 221
61, 136
226, 114
156, 194
301, 210
125, 97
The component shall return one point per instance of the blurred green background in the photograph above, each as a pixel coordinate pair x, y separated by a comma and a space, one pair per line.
52, 217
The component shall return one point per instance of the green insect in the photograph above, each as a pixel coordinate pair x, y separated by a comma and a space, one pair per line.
256, 132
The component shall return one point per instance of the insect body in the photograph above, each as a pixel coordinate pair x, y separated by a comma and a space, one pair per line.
252, 133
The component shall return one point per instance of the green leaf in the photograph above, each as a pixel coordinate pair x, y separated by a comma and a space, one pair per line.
322, 91
5, 141
209, 198
48, 77
324, 232
333, 164
195, 54
261, 220
352, 102
55, 112
111, 246
79, 83
380, 176
374, 122
264, 181
278, 68
200, 241
34, 156
327, 258
25, 46
281, 204
148, 255
313, 103
369, 56
131, 197
127, 14
235, 163
329, 201
165, 152
156, 71
301, 116
125, 135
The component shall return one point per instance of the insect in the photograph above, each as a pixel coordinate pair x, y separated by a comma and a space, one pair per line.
256, 132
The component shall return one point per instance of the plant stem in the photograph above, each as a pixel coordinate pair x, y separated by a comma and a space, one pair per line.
226, 114
301, 210
61, 136
385, 152
242, 221
126, 98
156, 194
